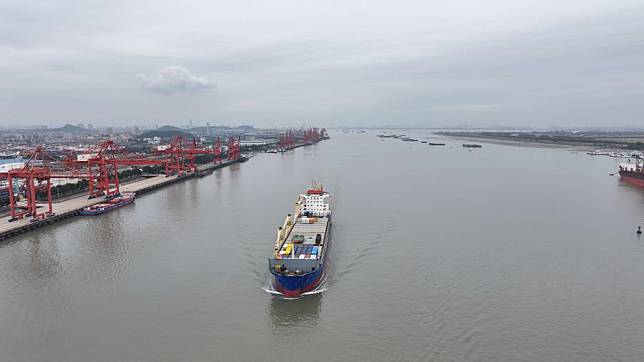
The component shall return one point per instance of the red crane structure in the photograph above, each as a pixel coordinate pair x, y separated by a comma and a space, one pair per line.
36, 176
103, 169
311, 135
217, 152
286, 140
176, 155
174, 160
100, 166
289, 138
107, 160
197, 149
234, 148
103, 162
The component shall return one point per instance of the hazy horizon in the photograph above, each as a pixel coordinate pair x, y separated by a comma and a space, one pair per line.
334, 64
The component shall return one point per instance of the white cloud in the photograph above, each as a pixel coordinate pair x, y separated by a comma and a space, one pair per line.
174, 79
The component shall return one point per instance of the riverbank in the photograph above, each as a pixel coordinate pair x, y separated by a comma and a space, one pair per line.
606, 140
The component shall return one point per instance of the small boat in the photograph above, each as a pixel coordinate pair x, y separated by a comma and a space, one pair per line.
244, 158
109, 205
471, 145
435, 144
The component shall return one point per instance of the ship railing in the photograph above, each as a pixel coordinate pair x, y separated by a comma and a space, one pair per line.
305, 265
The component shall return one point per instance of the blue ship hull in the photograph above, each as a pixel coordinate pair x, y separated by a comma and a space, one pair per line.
294, 285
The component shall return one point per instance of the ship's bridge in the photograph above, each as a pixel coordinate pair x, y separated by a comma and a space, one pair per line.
633, 167
316, 203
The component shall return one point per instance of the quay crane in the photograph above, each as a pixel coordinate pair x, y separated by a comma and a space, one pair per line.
176, 155
234, 148
102, 163
198, 149
36, 175
99, 165
291, 138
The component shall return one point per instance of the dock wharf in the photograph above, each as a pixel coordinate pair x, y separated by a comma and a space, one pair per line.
71, 207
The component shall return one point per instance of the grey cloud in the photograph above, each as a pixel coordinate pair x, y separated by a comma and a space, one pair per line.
411, 62
174, 79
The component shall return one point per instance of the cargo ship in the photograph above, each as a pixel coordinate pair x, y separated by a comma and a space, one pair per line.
302, 245
109, 205
632, 173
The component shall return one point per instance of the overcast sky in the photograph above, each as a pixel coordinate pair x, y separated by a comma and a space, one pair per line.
329, 63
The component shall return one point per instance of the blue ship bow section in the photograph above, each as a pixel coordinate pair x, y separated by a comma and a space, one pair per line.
294, 284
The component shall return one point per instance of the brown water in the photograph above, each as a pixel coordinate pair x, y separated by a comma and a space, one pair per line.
439, 253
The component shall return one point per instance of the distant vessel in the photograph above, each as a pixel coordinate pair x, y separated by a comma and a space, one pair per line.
409, 139
109, 205
471, 145
632, 173
435, 144
302, 244
598, 153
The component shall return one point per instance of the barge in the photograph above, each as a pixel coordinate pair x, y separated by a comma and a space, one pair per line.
301, 248
110, 204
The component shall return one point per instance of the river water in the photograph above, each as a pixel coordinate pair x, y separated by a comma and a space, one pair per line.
439, 253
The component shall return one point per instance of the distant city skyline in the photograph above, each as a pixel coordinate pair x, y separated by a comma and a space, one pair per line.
334, 64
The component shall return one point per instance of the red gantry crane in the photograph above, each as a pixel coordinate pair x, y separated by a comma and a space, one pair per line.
286, 140
217, 152
103, 162
99, 165
234, 148
198, 149
175, 158
176, 155
36, 175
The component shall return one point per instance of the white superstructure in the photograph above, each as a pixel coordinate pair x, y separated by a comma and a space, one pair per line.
315, 202
311, 215
633, 167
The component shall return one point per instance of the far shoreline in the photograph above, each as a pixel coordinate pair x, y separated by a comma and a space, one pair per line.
551, 142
